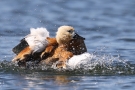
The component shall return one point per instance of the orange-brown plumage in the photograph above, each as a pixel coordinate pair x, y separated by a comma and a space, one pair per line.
60, 49
23, 54
62, 53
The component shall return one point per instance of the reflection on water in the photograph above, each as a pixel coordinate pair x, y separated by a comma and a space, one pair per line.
58, 79
62, 82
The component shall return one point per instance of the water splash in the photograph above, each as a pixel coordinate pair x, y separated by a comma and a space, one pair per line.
87, 63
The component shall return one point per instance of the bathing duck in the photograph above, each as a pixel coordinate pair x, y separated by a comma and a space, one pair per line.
39, 47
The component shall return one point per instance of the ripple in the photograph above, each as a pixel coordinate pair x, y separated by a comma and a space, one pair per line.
127, 39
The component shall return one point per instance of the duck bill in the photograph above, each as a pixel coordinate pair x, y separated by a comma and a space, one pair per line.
77, 36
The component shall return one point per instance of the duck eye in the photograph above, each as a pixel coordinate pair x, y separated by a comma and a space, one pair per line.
69, 31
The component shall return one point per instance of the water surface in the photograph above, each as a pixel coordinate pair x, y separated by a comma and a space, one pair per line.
109, 29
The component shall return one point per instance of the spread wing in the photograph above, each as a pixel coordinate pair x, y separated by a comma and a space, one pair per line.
77, 45
26, 53
36, 40
33, 43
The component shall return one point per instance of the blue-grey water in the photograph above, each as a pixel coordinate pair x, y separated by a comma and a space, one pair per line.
107, 25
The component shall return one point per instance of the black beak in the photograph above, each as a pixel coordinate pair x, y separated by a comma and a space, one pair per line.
78, 37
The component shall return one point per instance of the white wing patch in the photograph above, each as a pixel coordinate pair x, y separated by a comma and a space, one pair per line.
37, 39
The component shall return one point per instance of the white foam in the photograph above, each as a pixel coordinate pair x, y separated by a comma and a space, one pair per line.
37, 39
77, 60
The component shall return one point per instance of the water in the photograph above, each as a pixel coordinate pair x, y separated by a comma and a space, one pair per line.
107, 25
